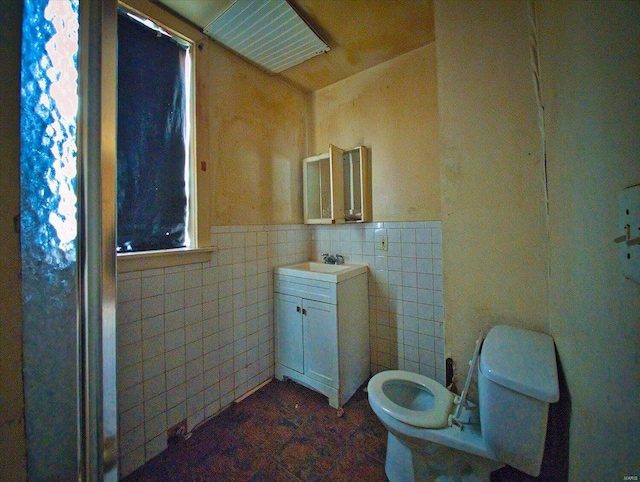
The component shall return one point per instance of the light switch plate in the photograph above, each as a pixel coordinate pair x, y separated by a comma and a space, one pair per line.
629, 228
383, 243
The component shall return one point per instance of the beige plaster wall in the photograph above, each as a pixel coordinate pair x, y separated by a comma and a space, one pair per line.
493, 191
494, 229
251, 136
391, 109
253, 132
590, 58
12, 438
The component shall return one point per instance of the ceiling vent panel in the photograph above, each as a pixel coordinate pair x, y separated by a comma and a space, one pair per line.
267, 32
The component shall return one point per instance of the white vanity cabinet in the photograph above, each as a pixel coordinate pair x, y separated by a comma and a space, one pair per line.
322, 332
307, 338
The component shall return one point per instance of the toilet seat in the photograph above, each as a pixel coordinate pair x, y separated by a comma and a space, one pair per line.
436, 416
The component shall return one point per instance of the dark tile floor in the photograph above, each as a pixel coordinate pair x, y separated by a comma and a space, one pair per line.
283, 432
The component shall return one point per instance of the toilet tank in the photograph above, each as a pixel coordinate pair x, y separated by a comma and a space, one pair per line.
517, 380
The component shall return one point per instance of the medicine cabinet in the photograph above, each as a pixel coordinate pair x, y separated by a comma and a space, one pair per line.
337, 187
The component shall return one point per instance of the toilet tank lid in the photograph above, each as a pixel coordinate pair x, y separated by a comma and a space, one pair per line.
521, 360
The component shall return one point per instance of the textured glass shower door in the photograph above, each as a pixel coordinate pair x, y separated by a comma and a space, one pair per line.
67, 165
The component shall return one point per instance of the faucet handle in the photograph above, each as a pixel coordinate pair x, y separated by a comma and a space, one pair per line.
324, 256
339, 259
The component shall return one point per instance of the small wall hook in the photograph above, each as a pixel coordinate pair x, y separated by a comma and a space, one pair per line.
626, 237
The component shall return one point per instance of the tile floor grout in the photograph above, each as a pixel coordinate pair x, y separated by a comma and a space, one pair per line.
282, 432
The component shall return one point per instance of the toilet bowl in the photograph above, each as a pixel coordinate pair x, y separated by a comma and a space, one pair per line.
421, 445
412, 398
429, 436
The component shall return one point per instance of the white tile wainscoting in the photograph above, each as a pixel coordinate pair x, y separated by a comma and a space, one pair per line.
405, 290
193, 338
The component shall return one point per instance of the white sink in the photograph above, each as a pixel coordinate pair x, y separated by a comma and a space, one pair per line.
324, 272
321, 267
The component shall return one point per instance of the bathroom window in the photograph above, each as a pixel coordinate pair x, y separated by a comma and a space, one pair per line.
154, 185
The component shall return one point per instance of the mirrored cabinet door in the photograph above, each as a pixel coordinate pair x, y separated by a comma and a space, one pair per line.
337, 187
357, 191
322, 189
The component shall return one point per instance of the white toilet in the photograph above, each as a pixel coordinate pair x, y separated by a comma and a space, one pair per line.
431, 438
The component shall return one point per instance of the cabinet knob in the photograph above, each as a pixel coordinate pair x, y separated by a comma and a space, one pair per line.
298, 309
304, 312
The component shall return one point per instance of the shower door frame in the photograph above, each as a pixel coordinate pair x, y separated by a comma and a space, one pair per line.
80, 441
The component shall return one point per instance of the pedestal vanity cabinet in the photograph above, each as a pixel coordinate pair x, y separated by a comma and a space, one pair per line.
322, 328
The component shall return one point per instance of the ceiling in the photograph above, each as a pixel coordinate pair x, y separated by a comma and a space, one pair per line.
360, 33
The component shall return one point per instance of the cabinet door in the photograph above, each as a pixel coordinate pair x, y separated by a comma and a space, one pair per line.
357, 185
288, 312
323, 192
320, 329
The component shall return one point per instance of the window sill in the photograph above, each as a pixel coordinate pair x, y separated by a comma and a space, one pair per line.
165, 258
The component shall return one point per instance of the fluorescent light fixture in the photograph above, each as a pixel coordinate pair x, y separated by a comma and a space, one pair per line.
269, 33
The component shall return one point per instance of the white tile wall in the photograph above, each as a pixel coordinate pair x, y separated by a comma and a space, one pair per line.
193, 338
405, 290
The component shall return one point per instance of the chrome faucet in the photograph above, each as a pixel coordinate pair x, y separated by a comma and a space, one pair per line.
332, 259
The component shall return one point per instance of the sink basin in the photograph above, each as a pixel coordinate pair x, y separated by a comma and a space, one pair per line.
321, 267
323, 272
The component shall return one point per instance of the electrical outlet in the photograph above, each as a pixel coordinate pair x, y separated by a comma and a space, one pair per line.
383, 243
